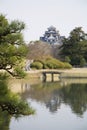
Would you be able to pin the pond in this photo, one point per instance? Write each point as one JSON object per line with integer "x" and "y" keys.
{"x": 59, "y": 105}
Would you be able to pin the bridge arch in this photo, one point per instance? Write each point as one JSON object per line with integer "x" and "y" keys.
{"x": 52, "y": 73}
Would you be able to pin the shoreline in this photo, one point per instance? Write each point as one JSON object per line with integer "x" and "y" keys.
{"x": 34, "y": 77}
{"x": 65, "y": 73}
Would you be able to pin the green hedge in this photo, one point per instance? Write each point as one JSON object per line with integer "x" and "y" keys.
{"x": 67, "y": 65}
{"x": 37, "y": 65}
{"x": 50, "y": 63}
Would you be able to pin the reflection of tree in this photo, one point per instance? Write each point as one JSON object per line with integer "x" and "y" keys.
{"x": 45, "y": 93}
{"x": 54, "y": 103}
{"x": 52, "y": 94}
{"x": 76, "y": 96}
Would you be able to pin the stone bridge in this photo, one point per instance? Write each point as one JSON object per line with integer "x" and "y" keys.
{"x": 52, "y": 73}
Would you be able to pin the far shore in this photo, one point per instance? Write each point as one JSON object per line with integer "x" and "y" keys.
{"x": 67, "y": 73}
{"x": 68, "y": 76}
{"x": 73, "y": 70}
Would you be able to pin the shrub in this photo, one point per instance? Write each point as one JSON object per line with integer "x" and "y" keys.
{"x": 67, "y": 59}
{"x": 45, "y": 66}
{"x": 82, "y": 62}
{"x": 67, "y": 65}
{"x": 37, "y": 65}
{"x": 50, "y": 63}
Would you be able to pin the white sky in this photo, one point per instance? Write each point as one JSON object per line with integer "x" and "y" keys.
{"x": 38, "y": 15}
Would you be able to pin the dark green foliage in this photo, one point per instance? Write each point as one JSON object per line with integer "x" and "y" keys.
{"x": 75, "y": 46}
{"x": 67, "y": 59}
{"x": 12, "y": 46}
{"x": 82, "y": 62}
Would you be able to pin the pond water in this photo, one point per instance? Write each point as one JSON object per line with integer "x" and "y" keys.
{"x": 59, "y": 106}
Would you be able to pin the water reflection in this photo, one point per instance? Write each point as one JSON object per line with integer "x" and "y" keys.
{"x": 52, "y": 95}
{"x": 59, "y": 105}
{"x": 75, "y": 96}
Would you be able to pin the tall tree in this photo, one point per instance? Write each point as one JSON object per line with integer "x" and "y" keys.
{"x": 12, "y": 46}
{"x": 75, "y": 46}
